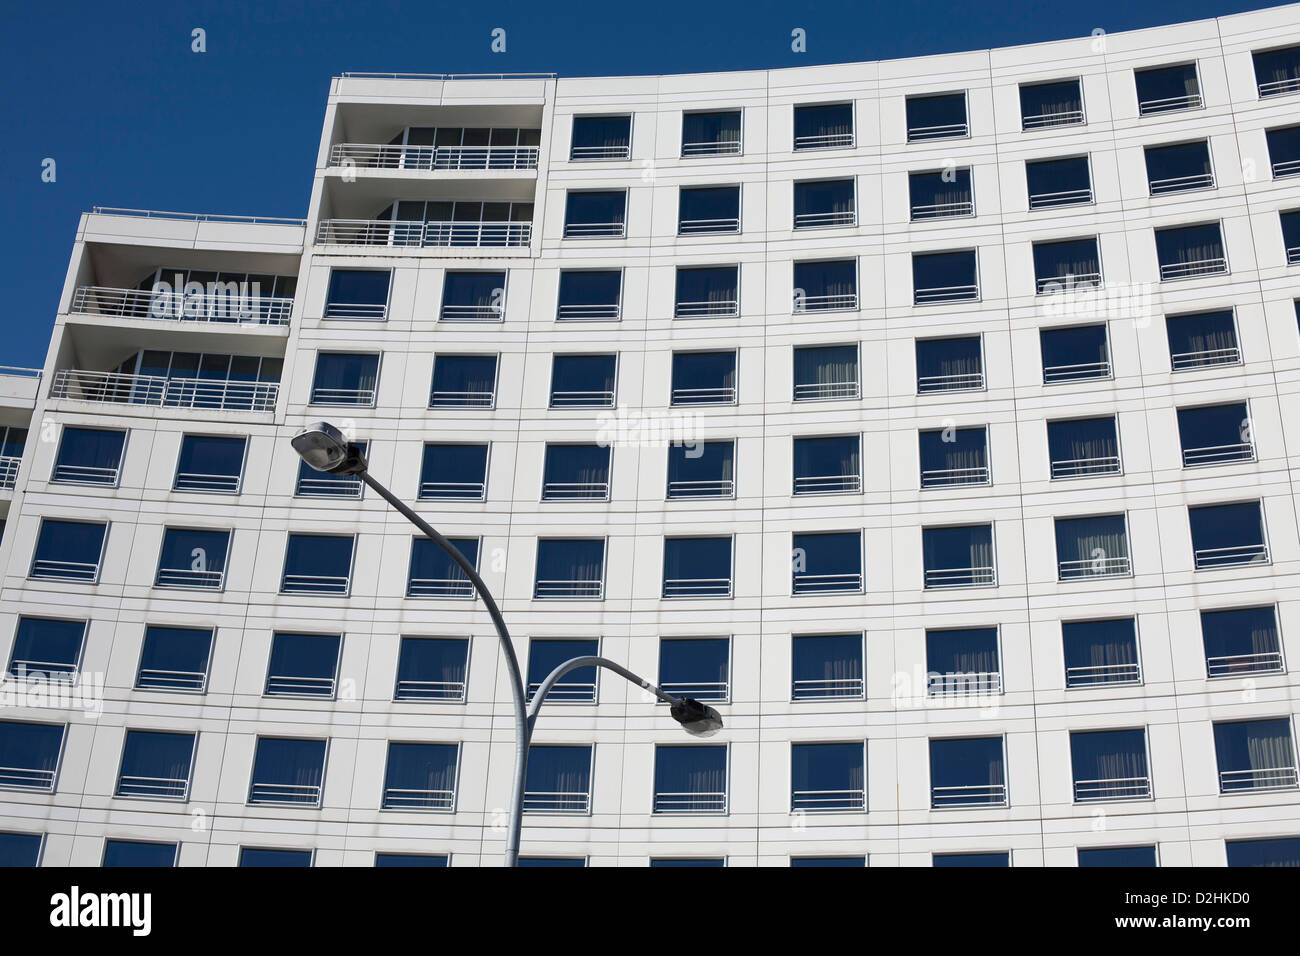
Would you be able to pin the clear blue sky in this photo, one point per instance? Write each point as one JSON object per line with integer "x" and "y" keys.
{"x": 113, "y": 93}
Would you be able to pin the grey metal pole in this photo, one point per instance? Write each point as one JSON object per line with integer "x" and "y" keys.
{"x": 523, "y": 725}
{"x": 553, "y": 677}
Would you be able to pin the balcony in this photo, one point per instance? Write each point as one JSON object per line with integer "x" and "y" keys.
{"x": 949, "y": 383}
{"x": 154, "y": 390}
{"x": 1116, "y": 788}
{"x": 1076, "y": 372}
{"x": 849, "y": 581}
{"x": 826, "y": 303}
{"x": 453, "y": 490}
{"x": 1272, "y": 778}
{"x": 9, "y": 471}
{"x": 825, "y": 391}
{"x": 1177, "y": 184}
{"x": 152, "y": 678}
{"x": 432, "y": 158}
{"x": 441, "y": 691}
{"x": 722, "y": 395}
{"x": 575, "y": 490}
{"x": 335, "y": 486}
{"x": 822, "y": 220}
{"x": 1205, "y": 358}
{"x": 431, "y": 234}
{"x": 969, "y": 795}
{"x": 1061, "y": 197}
{"x": 964, "y": 685}
{"x": 952, "y": 293}
{"x": 1168, "y": 104}
{"x": 221, "y": 307}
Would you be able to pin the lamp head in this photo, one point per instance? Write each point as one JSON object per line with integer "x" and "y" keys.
{"x": 323, "y": 447}
{"x": 698, "y": 720}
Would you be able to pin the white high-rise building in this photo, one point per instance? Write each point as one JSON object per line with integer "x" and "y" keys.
{"x": 933, "y": 418}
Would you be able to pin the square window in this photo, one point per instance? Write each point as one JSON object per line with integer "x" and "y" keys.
{"x": 432, "y": 669}
{"x": 828, "y": 777}
{"x": 473, "y": 296}
{"x": 827, "y": 667}
{"x": 711, "y": 133}
{"x": 558, "y": 780}
{"x": 1241, "y": 641}
{"x": 707, "y": 292}
{"x": 697, "y": 567}
{"x": 317, "y": 564}
{"x": 89, "y": 456}
{"x": 435, "y": 573}
{"x": 823, "y": 126}
{"x": 175, "y": 658}
{"x": 1255, "y": 755}
{"x": 1092, "y": 547}
{"x": 1166, "y": 89}
{"x": 583, "y": 381}
{"x": 698, "y": 667}
{"x": 303, "y": 665}
{"x": 940, "y": 116}
{"x": 288, "y": 770}
{"x": 826, "y": 563}
{"x": 357, "y": 294}
{"x": 576, "y": 686}
{"x": 421, "y": 776}
{"x": 345, "y": 379}
{"x": 690, "y": 778}
{"x": 138, "y": 853}
{"x": 601, "y": 137}
{"x": 570, "y": 568}
{"x": 1055, "y": 103}
{"x": 193, "y": 558}
{"x": 959, "y": 557}
{"x": 69, "y": 550}
{"x": 210, "y": 463}
{"x": 463, "y": 381}
{"x": 967, "y": 772}
{"x": 156, "y": 764}
{"x": 453, "y": 472}
{"x": 590, "y": 294}
{"x": 1101, "y": 652}
{"x": 949, "y": 365}
{"x": 704, "y": 378}
{"x": 702, "y": 470}
{"x": 1110, "y": 765}
{"x": 47, "y": 648}
{"x": 29, "y": 755}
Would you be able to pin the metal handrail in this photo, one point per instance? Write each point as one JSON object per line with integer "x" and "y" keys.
{"x": 440, "y": 690}
{"x": 298, "y": 793}
{"x": 1047, "y": 285}
{"x": 822, "y": 391}
{"x": 974, "y": 683}
{"x": 826, "y": 484}
{"x": 595, "y": 230}
{"x": 942, "y": 131}
{"x": 453, "y": 490}
{"x": 1203, "y": 359}
{"x": 709, "y": 691}
{"x": 1064, "y": 197}
{"x": 1093, "y": 674}
{"x": 573, "y": 588}
{"x": 189, "y": 578}
{"x": 370, "y": 311}
{"x": 454, "y": 587}
{"x": 847, "y": 581}
{"x": 397, "y": 798}
{"x": 556, "y": 801}
{"x": 1292, "y": 255}
{"x": 1094, "y": 568}
{"x": 959, "y": 577}
{"x": 697, "y": 587}
{"x": 1229, "y": 665}
{"x": 192, "y": 216}
{"x": 471, "y": 313}
{"x": 969, "y": 795}
{"x": 1072, "y": 373}
{"x": 683, "y": 310}
{"x": 9, "y": 471}
{"x": 691, "y": 802}
{"x": 18, "y": 371}
{"x": 445, "y": 399}
{"x": 826, "y": 303}
{"x": 950, "y": 293}
{"x": 572, "y": 312}
{"x": 575, "y": 490}
{"x": 721, "y": 395}
{"x": 216, "y": 306}
{"x": 824, "y": 141}
{"x": 949, "y": 383}
{"x": 129, "y": 785}
{"x": 1229, "y": 556}
{"x": 121, "y": 388}
{"x": 852, "y": 799}
{"x": 337, "y": 486}
{"x": 601, "y": 398}
{"x": 570, "y": 690}
{"x": 1188, "y": 270}
{"x": 1113, "y": 788}
{"x": 314, "y": 584}
{"x": 1264, "y": 778}
{"x": 704, "y": 488}
{"x": 686, "y": 227}
{"x": 195, "y": 481}
{"x": 449, "y": 76}
{"x": 711, "y": 147}
{"x": 946, "y": 477}
{"x": 432, "y": 158}
{"x": 433, "y": 233}
{"x": 1279, "y": 87}
{"x": 65, "y": 570}
{"x": 342, "y": 396}
{"x": 821, "y": 220}
{"x": 21, "y": 669}
{"x": 826, "y": 689}
{"x": 1175, "y": 184}
{"x": 1082, "y": 467}
{"x": 1218, "y": 454}
{"x": 1286, "y": 167}
{"x": 288, "y": 685}
{"x": 26, "y": 778}
{"x": 152, "y": 677}
{"x": 1167, "y": 104}
{"x": 944, "y": 210}
{"x": 1044, "y": 120}
{"x": 585, "y": 153}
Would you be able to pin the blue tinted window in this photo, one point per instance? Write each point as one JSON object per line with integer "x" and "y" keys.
{"x": 707, "y": 861}
{"x": 962, "y": 651}
{"x": 1083, "y": 446}
{"x": 938, "y": 194}
{"x": 20, "y": 849}
{"x": 574, "y": 861}
{"x": 823, "y": 125}
{"x": 434, "y": 573}
{"x": 826, "y": 562}
{"x": 357, "y": 294}
{"x": 1255, "y": 755}
{"x": 1284, "y": 150}
{"x": 453, "y": 471}
{"x": 967, "y": 771}
{"x": 690, "y": 779}
{"x": 1100, "y": 652}
{"x": 710, "y": 132}
{"x": 1110, "y": 764}
{"x": 68, "y": 550}
{"x": 827, "y": 285}
{"x": 828, "y": 861}
{"x": 601, "y": 137}
{"x": 583, "y": 380}
{"x": 253, "y": 856}
{"x": 287, "y": 770}
{"x": 155, "y": 764}
{"x": 344, "y": 379}
{"x": 473, "y": 295}
{"x": 91, "y": 456}
{"x": 1057, "y": 103}
{"x": 46, "y": 647}
{"x": 29, "y": 754}
{"x": 934, "y": 117}
{"x": 971, "y": 859}
{"x": 546, "y": 655}
{"x": 1058, "y": 182}
{"x": 175, "y": 658}
{"x": 1276, "y": 851}
{"x": 701, "y": 469}
{"x": 1203, "y": 338}
{"x": 958, "y": 557}
{"x": 590, "y": 294}
{"x": 708, "y": 209}
{"x": 1087, "y": 546}
{"x": 559, "y": 780}
{"x": 1118, "y": 856}
{"x": 954, "y": 456}
{"x": 303, "y": 665}
{"x": 827, "y": 465}
{"x": 1190, "y": 250}
{"x": 698, "y": 667}
{"x": 1224, "y": 535}
{"x": 595, "y": 214}
{"x": 827, "y": 777}
{"x": 192, "y": 559}
{"x": 463, "y": 381}
{"x": 137, "y": 853}
{"x": 409, "y": 859}
{"x": 209, "y": 463}
{"x": 707, "y": 290}
{"x": 1241, "y": 641}
{"x": 576, "y": 471}
{"x": 944, "y": 277}
{"x": 1178, "y": 167}
{"x": 697, "y": 567}
{"x": 432, "y": 668}
{"x": 420, "y": 776}
{"x": 317, "y": 564}
{"x": 825, "y": 202}
{"x": 570, "y": 567}
{"x": 704, "y": 378}
{"x": 827, "y": 666}
{"x": 1059, "y": 264}
{"x": 1167, "y": 88}
{"x": 322, "y": 484}
{"x": 949, "y": 364}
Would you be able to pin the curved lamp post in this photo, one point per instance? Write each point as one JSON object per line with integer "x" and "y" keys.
{"x": 325, "y": 448}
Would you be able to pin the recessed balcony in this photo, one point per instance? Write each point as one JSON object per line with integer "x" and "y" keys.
{"x": 432, "y": 234}
{"x": 161, "y": 392}
{"x": 234, "y": 306}
{"x": 432, "y": 158}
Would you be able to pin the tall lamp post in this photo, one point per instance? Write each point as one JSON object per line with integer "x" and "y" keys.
{"x": 325, "y": 448}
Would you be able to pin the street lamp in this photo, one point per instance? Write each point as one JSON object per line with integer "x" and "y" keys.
{"x": 326, "y": 448}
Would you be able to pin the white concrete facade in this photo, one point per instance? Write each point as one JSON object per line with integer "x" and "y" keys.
{"x": 1187, "y": 817}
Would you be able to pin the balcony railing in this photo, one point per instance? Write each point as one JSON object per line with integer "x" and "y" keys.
{"x": 9, "y": 471}
{"x": 973, "y": 684}
{"x": 302, "y": 794}
{"x": 1168, "y": 104}
{"x": 85, "y": 474}
{"x": 451, "y": 312}
{"x": 1095, "y": 568}
{"x": 917, "y": 133}
{"x": 289, "y": 685}
{"x": 341, "y": 486}
{"x": 714, "y": 147}
{"x": 1279, "y": 87}
{"x": 1084, "y": 467}
{"x": 825, "y": 303}
{"x": 1057, "y": 118}
{"x": 1182, "y": 361}
{"x": 692, "y": 802}
{"x": 1048, "y": 285}
{"x": 1095, "y": 674}
{"x": 431, "y": 158}
{"x": 173, "y": 788}
{"x": 710, "y": 691}
{"x": 1114, "y": 788}
{"x": 396, "y": 798}
{"x": 360, "y": 311}
{"x": 1285, "y": 167}
{"x": 189, "y": 578}
{"x": 46, "y": 670}
{"x": 1230, "y": 556}
{"x": 459, "y": 587}
{"x": 24, "y": 778}
{"x": 577, "y": 398}
{"x": 948, "y": 477}
{"x": 950, "y": 293}
{"x": 197, "y": 481}
{"x": 943, "y": 210}
{"x": 1064, "y": 197}
{"x": 555, "y": 588}
{"x": 453, "y": 490}
{"x": 443, "y": 691}
{"x": 1177, "y": 184}
{"x": 1188, "y": 270}
{"x": 223, "y": 307}
{"x": 446, "y": 399}
{"x": 342, "y": 396}
{"x": 539, "y": 801}
{"x": 573, "y": 312}
{"x": 369, "y": 232}
{"x": 696, "y": 587}
{"x": 1235, "y": 665}
{"x": 1218, "y": 454}
{"x": 828, "y": 689}
{"x": 949, "y": 383}
{"x": 687, "y": 227}
{"x": 575, "y": 490}
{"x": 959, "y": 577}
{"x": 119, "y": 388}
{"x": 153, "y": 678}
{"x": 827, "y": 800}
{"x": 822, "y": 220}
{"x": 1292, "y": 255}
{"x": 1074, "y": 373}
{"x": 824, "y": 141}
{"x": 314, "y": 584}
{"x": 585, "y": 153}
{"x": 848, "y": 581}
{"x": 969, "y": 795}
{"x": 1272, "y": 778}
{"x": 827, "y": 484}
{"x": 722, "y": 395}
{"x": 824, "y": 391}
{"x": 572, "y": 691}
{"x": 595, "y": 230}
{"x": 708, "y": 488}
{"x": 714, "y": 307}
{"x": 83, "y": 571}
